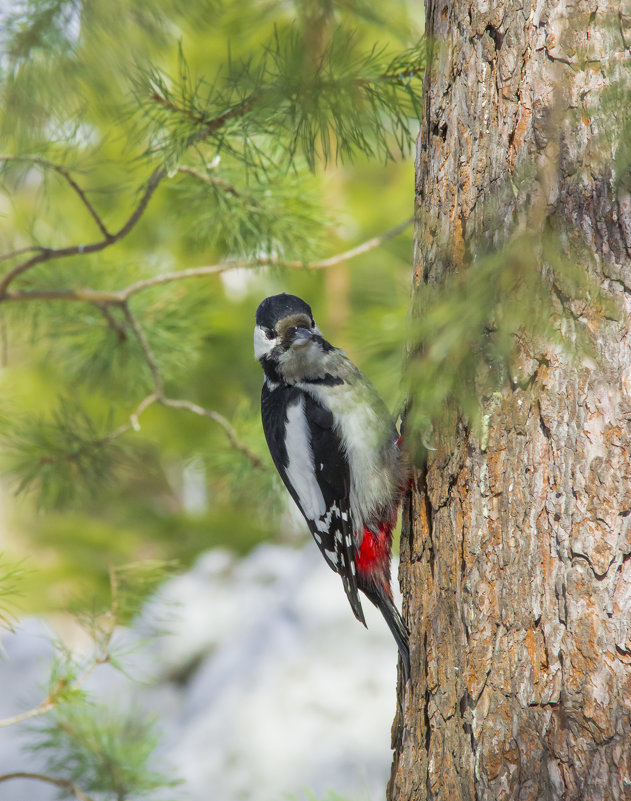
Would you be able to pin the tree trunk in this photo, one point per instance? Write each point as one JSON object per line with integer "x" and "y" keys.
{"x": 515, "y": 562}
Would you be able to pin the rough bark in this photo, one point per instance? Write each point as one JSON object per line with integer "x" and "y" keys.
{"x": 516, "y": 542}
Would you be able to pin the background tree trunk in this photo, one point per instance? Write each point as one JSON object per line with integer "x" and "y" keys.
{"x": 515, "y": 550}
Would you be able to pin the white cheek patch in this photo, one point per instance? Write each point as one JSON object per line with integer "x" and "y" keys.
{"x": 262, "y": 345}
{"x": 300, "y": 466}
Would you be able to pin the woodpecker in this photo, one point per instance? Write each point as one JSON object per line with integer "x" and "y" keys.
{"x": 336, "y": 450}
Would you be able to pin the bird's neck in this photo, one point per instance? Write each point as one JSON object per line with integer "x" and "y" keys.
{"x": 270, "y": 368}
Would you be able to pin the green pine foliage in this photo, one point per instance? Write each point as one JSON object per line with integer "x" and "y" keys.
{"x": 105, "y": 752}
{"x": 11, "y": 587}
{"x": 142, "y": 139}
{"x": 490, "y": 325}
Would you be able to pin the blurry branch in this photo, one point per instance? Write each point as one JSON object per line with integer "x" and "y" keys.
{"x": 11, "y": 576}
{"x": 48, "y": 254}
{"x": 11, "y": 254}
{"x": 218, "y": 418}
{"x": 66, "y": 684}
{"x": 63, "y": 784}
{"x": 262, "y": 261}
{"x": 65, "y": 174}
{"x": 208, "y": 179}
{"x": 158, "y": 396}
{"x": 41, "y": 709}
{"x": 135, "y": 326}
{"x": 104, "y": 299}
{"x": 119, "y": 297}
{"x": 45, "y": 254}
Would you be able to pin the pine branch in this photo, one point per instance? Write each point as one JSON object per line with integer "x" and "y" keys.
{"x": 65, "y": 174}
{"x": 48, "y": 254}
{"x": 348, "y": 101}
{"x": 159, "y": 396}
{"x": 221, "y": 420}
{"x": 21, "y": 251}
{"x": 135, "y": 326}
{"x": 45, "y": 254}
{"x": 121, "y": 296}
{"x": 63, "y": 784}
{"x": 208, "y": 179}
{"x": 66, "y": 686}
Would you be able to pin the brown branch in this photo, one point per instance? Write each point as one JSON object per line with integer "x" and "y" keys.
{"x": 221, "y": 420}
{"x": 135, "y": 326}
{"x": 21, "y": 251}
{"x": 63, "y": 784}
{"x": 215, "y": 269}
{"x": 65, "y": 685}
{"x": 208, "y": 127}
{"x": 65, "y": 174}
{"x": 51, "y": 253}
{"x": 208, "y": 179}
{"x": 47, "y": 254}
{"x": 122, "y": 295}
{"x": 212, "y": 126}
{"x": 160, "y": 397}
{"x": 112, "y": 322}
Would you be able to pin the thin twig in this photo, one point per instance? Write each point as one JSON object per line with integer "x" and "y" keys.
{"x": 369, "y": 244}
{"x": 113, "y": 323}
{"x": 135, "y": 326}
{"x": 21, "y": 251}
{"x": 65, "y": 174}
{"x": 218, "y": 418}
{"x": 63, "y": 784}
{"x": 159, "y": 396}
{"x": 120, "y": 296}
{"x": 47, "y": 254}
{"x": 262, "y": 261}
{"x": 65, "y": 685}
{"x": 214, "y": 269}
{"x": 132, "y": 423}
{"x": 45, "y": 706}
{"x": 209, "y": 179}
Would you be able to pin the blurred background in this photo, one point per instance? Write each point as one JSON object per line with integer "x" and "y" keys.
{"x": 96, "y": 97}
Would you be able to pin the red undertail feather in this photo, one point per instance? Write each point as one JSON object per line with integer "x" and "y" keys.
{"x": 374, "y": 551}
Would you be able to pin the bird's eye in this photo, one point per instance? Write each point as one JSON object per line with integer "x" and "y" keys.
{"x": 313, "y": 324}
{"x": 269, "y": 333}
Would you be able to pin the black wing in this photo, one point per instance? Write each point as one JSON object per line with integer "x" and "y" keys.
{"x": 316, "y": 473}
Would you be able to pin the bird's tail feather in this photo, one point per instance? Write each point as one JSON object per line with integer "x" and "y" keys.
{"x": 399, "y": 630}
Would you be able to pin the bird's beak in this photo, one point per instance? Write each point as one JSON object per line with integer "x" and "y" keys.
{"x": 300, "y": 337}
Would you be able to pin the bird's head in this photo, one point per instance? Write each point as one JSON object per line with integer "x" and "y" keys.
{"x": 287, "y": 341}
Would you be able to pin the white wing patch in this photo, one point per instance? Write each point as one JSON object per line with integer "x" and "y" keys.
{"x": 300, "y": 465}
